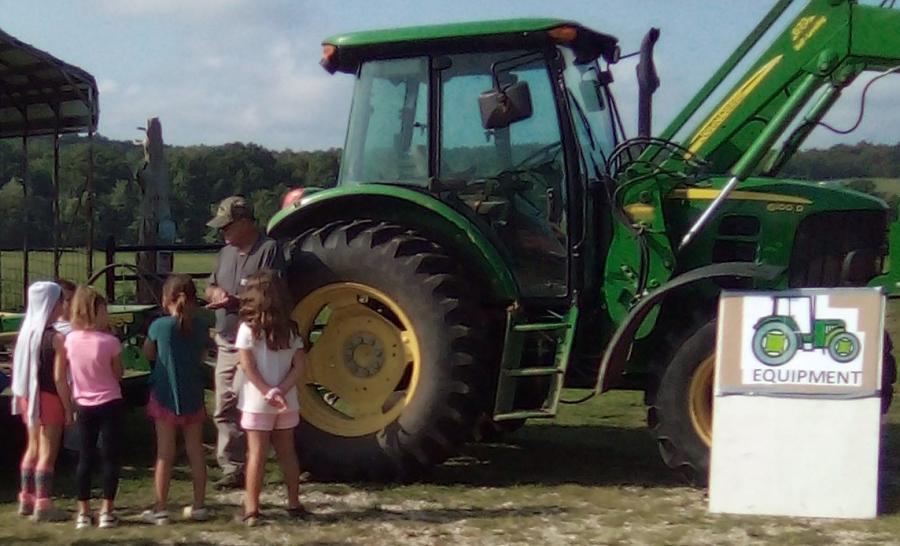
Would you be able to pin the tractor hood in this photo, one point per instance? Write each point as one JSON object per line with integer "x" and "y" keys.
{"x": 779, "y": 221}
{"x": 810, "y": 196}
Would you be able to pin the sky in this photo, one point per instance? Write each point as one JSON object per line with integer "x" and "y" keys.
{"x": 217, "y": 71}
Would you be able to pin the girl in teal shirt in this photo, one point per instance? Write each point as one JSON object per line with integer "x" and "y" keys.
{"x": 178, "y": 344}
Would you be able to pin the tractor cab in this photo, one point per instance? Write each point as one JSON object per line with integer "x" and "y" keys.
{"x": 504, "y": 121}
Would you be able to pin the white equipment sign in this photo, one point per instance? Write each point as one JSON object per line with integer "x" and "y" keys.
{"x": 796, "y": 405}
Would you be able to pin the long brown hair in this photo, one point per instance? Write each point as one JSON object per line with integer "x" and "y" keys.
{"x": 266, "y": 309}
{"x": 86, "y": 305}
{"x": 179, "y": 291}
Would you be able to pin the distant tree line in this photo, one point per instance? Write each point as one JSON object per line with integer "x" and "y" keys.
{"x": 200, "y": 176}
{"x": 869, "y": 168}
{"x": 203, "y": 175}
{"x": 844, "y": 162}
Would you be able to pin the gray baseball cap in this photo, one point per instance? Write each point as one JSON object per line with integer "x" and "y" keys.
{"x": 231, "y": 209}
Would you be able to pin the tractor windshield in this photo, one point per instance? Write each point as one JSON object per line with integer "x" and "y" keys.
{"x": 387, "y": 139}
{"x": 471, "y": 152}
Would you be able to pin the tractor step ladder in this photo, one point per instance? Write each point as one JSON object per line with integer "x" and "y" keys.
{"x": 513, "y": 372}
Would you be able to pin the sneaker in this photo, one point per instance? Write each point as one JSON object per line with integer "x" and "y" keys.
{"x": 49, "y": 513}
{"x": 108, "y": 520}
{"x": 155, "y": 518}
{"x": 26, "y": 504}
{"x": 196, "y": 514}
{"x": 83, "y": 521}
{"x": 234, "y": 480}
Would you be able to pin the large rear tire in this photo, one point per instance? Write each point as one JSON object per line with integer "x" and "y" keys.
{"x": 395, "y": 376}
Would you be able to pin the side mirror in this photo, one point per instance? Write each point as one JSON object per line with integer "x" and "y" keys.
{"x": 501, "y": 107}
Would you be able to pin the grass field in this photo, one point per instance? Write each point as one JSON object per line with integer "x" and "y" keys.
{"x": 592, "y": 476}
{"x": 889, "y": 186}
{"x": 73, "y": 265}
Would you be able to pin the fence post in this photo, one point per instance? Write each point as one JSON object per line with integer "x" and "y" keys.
{"x": 111, "y": 272}
{"x": 27, "y": 218}
{"x": 90, "y": 205}
{"x": 57, "y": 254}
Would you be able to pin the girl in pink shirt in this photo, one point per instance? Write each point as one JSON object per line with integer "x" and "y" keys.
{"x": 96, "y": 368}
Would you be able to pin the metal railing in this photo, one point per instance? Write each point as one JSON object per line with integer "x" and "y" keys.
{"x": 114, "y": 276}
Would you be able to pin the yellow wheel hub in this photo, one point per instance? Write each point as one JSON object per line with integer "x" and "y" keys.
{"x": 363, "y": 364}
{"x": 700, "y": 395}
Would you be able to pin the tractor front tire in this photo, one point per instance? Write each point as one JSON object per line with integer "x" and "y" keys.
{"x": 680, "y": 416}
{"x": 386, "y": 311}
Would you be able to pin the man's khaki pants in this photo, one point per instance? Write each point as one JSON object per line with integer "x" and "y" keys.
{"x": 230, "y": 447}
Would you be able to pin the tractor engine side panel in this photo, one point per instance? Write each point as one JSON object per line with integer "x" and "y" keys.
{"x": 825, "y": 235}
{"x": 822, "y": 235}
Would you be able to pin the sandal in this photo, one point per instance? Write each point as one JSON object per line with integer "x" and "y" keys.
{"x": 250, "y": 520}
{"x": 298, "y": 512}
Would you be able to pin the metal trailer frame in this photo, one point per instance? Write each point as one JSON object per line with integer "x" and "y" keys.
{"x": 40, "y": 95}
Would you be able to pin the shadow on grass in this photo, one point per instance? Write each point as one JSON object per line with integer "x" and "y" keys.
{"x": 131, "y": 542}
{"x": 548, "y": 454}
{"x": 559, "y": 454}
{"x": 15, "y": 539}
{"x": 539, "y": 454}
{"x": 138, "y": 453}
{"x": 423, "y": 515}
{"x": 889, "y": 471}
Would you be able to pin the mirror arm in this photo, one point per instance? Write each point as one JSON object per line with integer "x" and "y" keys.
{"x": 509, "y": 64}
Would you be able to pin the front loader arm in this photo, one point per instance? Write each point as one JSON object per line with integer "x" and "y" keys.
{"x": 827, "y": 45}
{"x": 830, "y": 42}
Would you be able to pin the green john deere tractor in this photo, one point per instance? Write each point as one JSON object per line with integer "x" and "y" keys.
{"x": 494, "y": 235}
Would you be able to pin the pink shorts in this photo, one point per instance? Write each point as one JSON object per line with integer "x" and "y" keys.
{"x": 270, "y": 421}
{"x": 158, "y": 412}
{"x": 51, "y": 411}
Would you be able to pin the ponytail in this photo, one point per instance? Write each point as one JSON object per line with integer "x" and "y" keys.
{"x": 179, "y": 292}
{"x": 183, "y": 314}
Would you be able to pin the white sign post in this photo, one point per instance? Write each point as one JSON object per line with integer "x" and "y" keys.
{"x": 796, "y": 406}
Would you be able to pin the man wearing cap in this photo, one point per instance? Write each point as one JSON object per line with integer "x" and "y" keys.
{"x": 246, "y": 252}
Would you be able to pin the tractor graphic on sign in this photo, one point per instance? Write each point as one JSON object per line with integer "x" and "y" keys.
{"x": 778, "y": 337}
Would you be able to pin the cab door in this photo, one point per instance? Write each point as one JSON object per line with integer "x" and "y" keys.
{"x": 514, "y": 177}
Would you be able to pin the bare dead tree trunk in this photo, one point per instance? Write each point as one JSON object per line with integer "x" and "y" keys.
{"x": 155, "y": 213}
